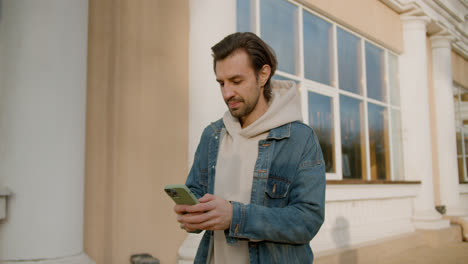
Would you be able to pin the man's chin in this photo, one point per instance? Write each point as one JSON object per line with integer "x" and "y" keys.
{"x": 235, "y": 113}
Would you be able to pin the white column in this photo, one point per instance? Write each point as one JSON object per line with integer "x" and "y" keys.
{"x": 445, "y": 124}
{"x": 210, "y": 22}
{"x": 416, "y": 123}
{"x": 42, "y": 129}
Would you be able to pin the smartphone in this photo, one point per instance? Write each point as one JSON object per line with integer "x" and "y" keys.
{"x": 181, "y": 194}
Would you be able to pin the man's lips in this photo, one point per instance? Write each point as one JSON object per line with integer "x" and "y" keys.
{"x": 234, "y": 104}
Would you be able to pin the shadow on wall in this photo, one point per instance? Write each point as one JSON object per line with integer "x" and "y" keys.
{"x": 342, "y": 238}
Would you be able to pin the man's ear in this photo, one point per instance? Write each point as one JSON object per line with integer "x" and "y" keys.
{"x": 264, "y": 74}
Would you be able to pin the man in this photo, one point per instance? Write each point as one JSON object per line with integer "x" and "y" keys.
{"x": 258, "y": 172}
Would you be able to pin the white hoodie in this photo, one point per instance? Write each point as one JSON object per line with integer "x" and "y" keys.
{"x": 238, "y": 153}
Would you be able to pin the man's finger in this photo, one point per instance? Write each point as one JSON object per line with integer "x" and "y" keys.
{"x": 180, "y": 208}
{"x": 206, "y": 198}
{"x": 200, "y": 208}
{"x": 196, "y": 218}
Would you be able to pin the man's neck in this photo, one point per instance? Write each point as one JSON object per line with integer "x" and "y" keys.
{"x": 260, "y": 109}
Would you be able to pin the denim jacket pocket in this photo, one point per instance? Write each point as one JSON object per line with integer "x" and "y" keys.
{"x": 277, "y": 191}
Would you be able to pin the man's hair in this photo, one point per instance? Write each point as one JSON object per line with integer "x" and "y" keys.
{"x": 258, "y": 51}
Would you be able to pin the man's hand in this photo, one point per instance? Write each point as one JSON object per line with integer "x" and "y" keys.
{"x": 212, "y": 213}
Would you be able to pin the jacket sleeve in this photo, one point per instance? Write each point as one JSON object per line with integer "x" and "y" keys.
{"x": 193, "y": 180}
{"x": 300, "y": 220}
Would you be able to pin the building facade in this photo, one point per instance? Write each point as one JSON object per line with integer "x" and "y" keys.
{"x": 102, "y": 103}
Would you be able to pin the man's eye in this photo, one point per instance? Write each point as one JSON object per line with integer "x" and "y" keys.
{"x": 221, "y": 84}
{"x": 237, "y": 82}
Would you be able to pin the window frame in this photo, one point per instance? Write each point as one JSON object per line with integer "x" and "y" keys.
{"x": 464, "y": 155}
{"x": 333, "y": 91}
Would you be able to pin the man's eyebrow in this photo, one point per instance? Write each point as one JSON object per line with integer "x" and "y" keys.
{"x": 231, "y": 78}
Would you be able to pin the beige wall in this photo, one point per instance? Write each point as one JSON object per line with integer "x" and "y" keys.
{"x": 137, "y": 127}
{"x": 371, "y": 18}
{"x": 460, "y": 70}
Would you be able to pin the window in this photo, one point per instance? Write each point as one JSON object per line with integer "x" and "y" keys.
{"x": 349, "y": 87}
{"x": 279, "y": 30}
{"x": 352, "y": 137}
{"x": 322, "y": 108}
{"x": 349, "y": 62}
{"x": 244, "y": 16}
{"x": 318, "y": 52}
{"x": 461, "y": 119}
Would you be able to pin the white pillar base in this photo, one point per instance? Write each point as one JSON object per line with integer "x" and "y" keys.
{"x": 429, "y": 220}
{"x": 188, "y": 249}
{"x": 76, "y": 259}
{"x": 456, "y": 211}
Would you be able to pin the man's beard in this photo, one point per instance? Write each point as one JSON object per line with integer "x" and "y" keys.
{"x": 247, "y": 107}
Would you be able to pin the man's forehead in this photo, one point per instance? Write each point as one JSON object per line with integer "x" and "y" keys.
{"x": 237, "y": 63}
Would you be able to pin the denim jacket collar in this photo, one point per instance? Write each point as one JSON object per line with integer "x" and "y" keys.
{"x": 281, "y": 132}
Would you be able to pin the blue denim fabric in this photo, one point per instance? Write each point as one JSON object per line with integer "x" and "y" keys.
{"x": 288, "y": 194}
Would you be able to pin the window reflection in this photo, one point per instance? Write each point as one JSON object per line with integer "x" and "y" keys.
{"x": 352, "y": 138}
{"x": 243, "y": 16}
{"x": 378, "y": 143}
{"x": 461, "y": 116}
{"x": 317, "y": 49}
{"x": 321, "y": 120}
{"x": 461, "y": 176}
{"x": 349, "y": 62}
{"x": 375, "y": 73}
{"x": 465, "y": 139}
{"x": 278, "y": 29}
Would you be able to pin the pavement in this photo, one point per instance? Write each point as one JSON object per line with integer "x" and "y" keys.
{"x": 421, "y": 247}
{"x": 452, "y": 253}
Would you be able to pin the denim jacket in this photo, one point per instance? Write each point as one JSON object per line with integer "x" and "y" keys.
{"x": 287, "y": 202}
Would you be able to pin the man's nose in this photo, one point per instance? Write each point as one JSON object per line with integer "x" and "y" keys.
{"x": 228, "y": 92}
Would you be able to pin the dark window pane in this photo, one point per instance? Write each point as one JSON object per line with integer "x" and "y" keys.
{"x": 321, "y": 120}
{"x": 375, "y": 73}
{"x": 317, "y": 49}
{"x": 243, "y": 16}
{"x": 349, "y": 62}
{"x": 465, "y": 139}
{"x": 352, "y": 138}
{"x": 278, "y": 29}
{"x": 378, "y": 142}
{"x": 461, "y": 174}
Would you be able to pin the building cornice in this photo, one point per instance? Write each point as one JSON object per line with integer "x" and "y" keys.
{"x": 398, "y": 6}
{"x": 453, "y": 9}
{"x": 447, "y": 17}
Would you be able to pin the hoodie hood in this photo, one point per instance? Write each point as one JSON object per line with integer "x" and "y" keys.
{"x": 285, "y": 107}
